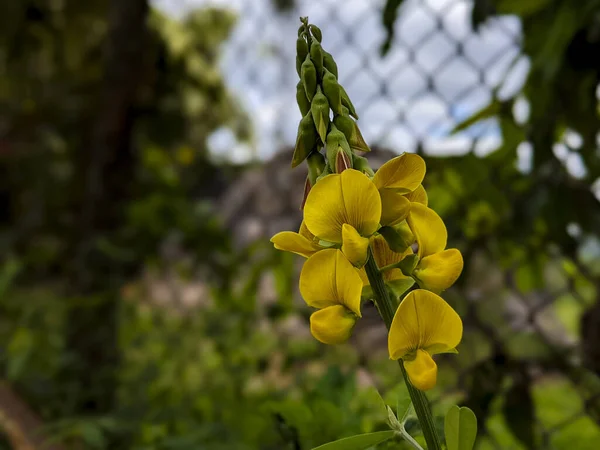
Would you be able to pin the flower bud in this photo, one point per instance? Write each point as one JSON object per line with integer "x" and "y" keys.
{"x": 362, "y": 164}
{"x": 305, "y": 141}
{"x": 339, "y": 155}
{"x": 301, "y": 29}
{"x": 326, "y": 171}
{"x": 329, "y": 63}
{"x": 316, "y": 55}
{"x": 332, "y": 91}
{"x": 308, "y": 75}
{"x": 350, "y": 129}
{"x": 319, "y": 109}
{"x": 348, "y": 103}
{"x": 316, "y": 166}
{"x": 301, "y": 99}
{"x": 301, "y": 47}
{"x": 316, "y": 32}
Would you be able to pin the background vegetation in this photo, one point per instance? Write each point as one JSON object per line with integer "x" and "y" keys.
{"x": 131, "y": 318}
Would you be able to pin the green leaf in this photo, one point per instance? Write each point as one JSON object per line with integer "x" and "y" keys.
{"x": 403, "y": 404}
{"x": 393, "y": 420}
{"x": 399, "y": 287}
{"x": 460, "y": 428}
{"x": 358, "y": 442}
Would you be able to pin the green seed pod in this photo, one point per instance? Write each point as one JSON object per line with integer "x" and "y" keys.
{"x": 301, "y": 47}
{"x": 316, "y": 32}
{"x": 306, "y": 140}
{"x": 330, "y": 64}
{"x": 316, "y": 165}
{"x": 308, "y": 75}
{"x": 332, "y": 91}
{"x": 348, "y": 103}
{"x": 362, "y": 164}
{"x": 302, "y": 100}
{"x": 339, "y": 155}
{"x": 319, "y": 108}
{"x": 350, "y": 129}
{"x": 316, "y": 54}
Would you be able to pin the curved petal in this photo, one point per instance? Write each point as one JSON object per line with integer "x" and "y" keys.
{"x": 289, "y": 241}
{"x": 428, "y": 228}
{"x": 403, "y": 173}
{"x": 384, "y": 256}
{"x": 332, "y": 325}
{"x": 328, "y": 279}
{"x": 422, "y": 371}
{"x": 394, "y": 207}
{"x": 422, "y": 321}
{"x": 354, "y": 246}
{"x": 439, "y": 271}
{"x": 349, "y": 197}
{"x": 419, "y": 195}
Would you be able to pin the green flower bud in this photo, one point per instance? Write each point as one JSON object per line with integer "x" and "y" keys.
{"x": 308, "y": 75}
{"x": 350, "y": 129}
{"x": 348, "y": 103}
{"x": 319, "y": 108}
{"x": 301, "y": 48}
{"x": 302, "y": 100}
{"x": 339, "y": 155}
{"x": 395, "y": 240}
{"x": 316, "y": 32}
{"x": 326, "y": 171}
{"x": 316, "y": 166}
{"x": 330, "y": 64}
{"x": 316, "y": 54}
{"x": 362, "y": 164}
{"x": 332, "y": 91}
{"x": 301, "y": 29}
{"x": 306, "y": 140}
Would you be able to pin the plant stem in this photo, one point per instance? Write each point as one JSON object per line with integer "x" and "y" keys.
{"x": 386, "y": 309}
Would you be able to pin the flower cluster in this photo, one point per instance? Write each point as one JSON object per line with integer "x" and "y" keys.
{"x": 353, "y": 215}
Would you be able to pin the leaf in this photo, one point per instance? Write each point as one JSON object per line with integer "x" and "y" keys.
{"x": 460, "y": 428}
{"x": 358, "y": 442}
{"x": 393, "y": 420}
{"x": 490, "y": 110}
{"x": 403, "y": 404}
{"x": 399, "y": 287}
{"x": 390, "y": 12}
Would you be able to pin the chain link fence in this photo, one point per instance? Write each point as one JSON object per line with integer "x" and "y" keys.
{"x": 437, "y": 73}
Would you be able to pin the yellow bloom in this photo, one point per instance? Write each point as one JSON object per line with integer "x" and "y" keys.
{"x": 330, "y": 283}
{"x": 344, "y": 209}
{"x": 394, "y": 180}
{"x": 437, "y": 269}
{"x": 302, "y": 243}
{"x": 424, "y": 325}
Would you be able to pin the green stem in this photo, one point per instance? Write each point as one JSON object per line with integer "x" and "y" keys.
{"x": 386, "y": 309}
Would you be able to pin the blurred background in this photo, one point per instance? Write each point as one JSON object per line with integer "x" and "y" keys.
{"x": 144, "y": 164}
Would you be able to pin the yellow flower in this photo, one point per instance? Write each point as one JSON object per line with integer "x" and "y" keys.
{"x": 396, "y": 180}
{"x": 344, "y": 209}
{"x": 302, "y": 243}
{"x": 330, "y": 283}
{"x": 437, "y": 269}
{"x": 424, "y": 325}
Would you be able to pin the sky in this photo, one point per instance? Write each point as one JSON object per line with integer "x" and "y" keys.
{"x": 437, "y": 73}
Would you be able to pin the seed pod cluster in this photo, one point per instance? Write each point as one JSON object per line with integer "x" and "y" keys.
{"x": 328, "y": 133}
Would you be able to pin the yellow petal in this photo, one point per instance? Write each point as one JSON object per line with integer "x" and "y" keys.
{"x": 403, "y": 173}
{"x": 394, "y": 207}
{"x": 422, "y": 370}
{"x": 349, "y": 197}
{"x": 384, "y": 256}
{"x": 328, "y": 279}
{"x": 439, "y": 271}
{"x": 332, "y": 325}
{"x": 423, "y": 321}
{"x": 354, "y": 246}
{"x": 428, "y": 228}
{"x": 289, "y": 241}
{"x": 419, "y": 195}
